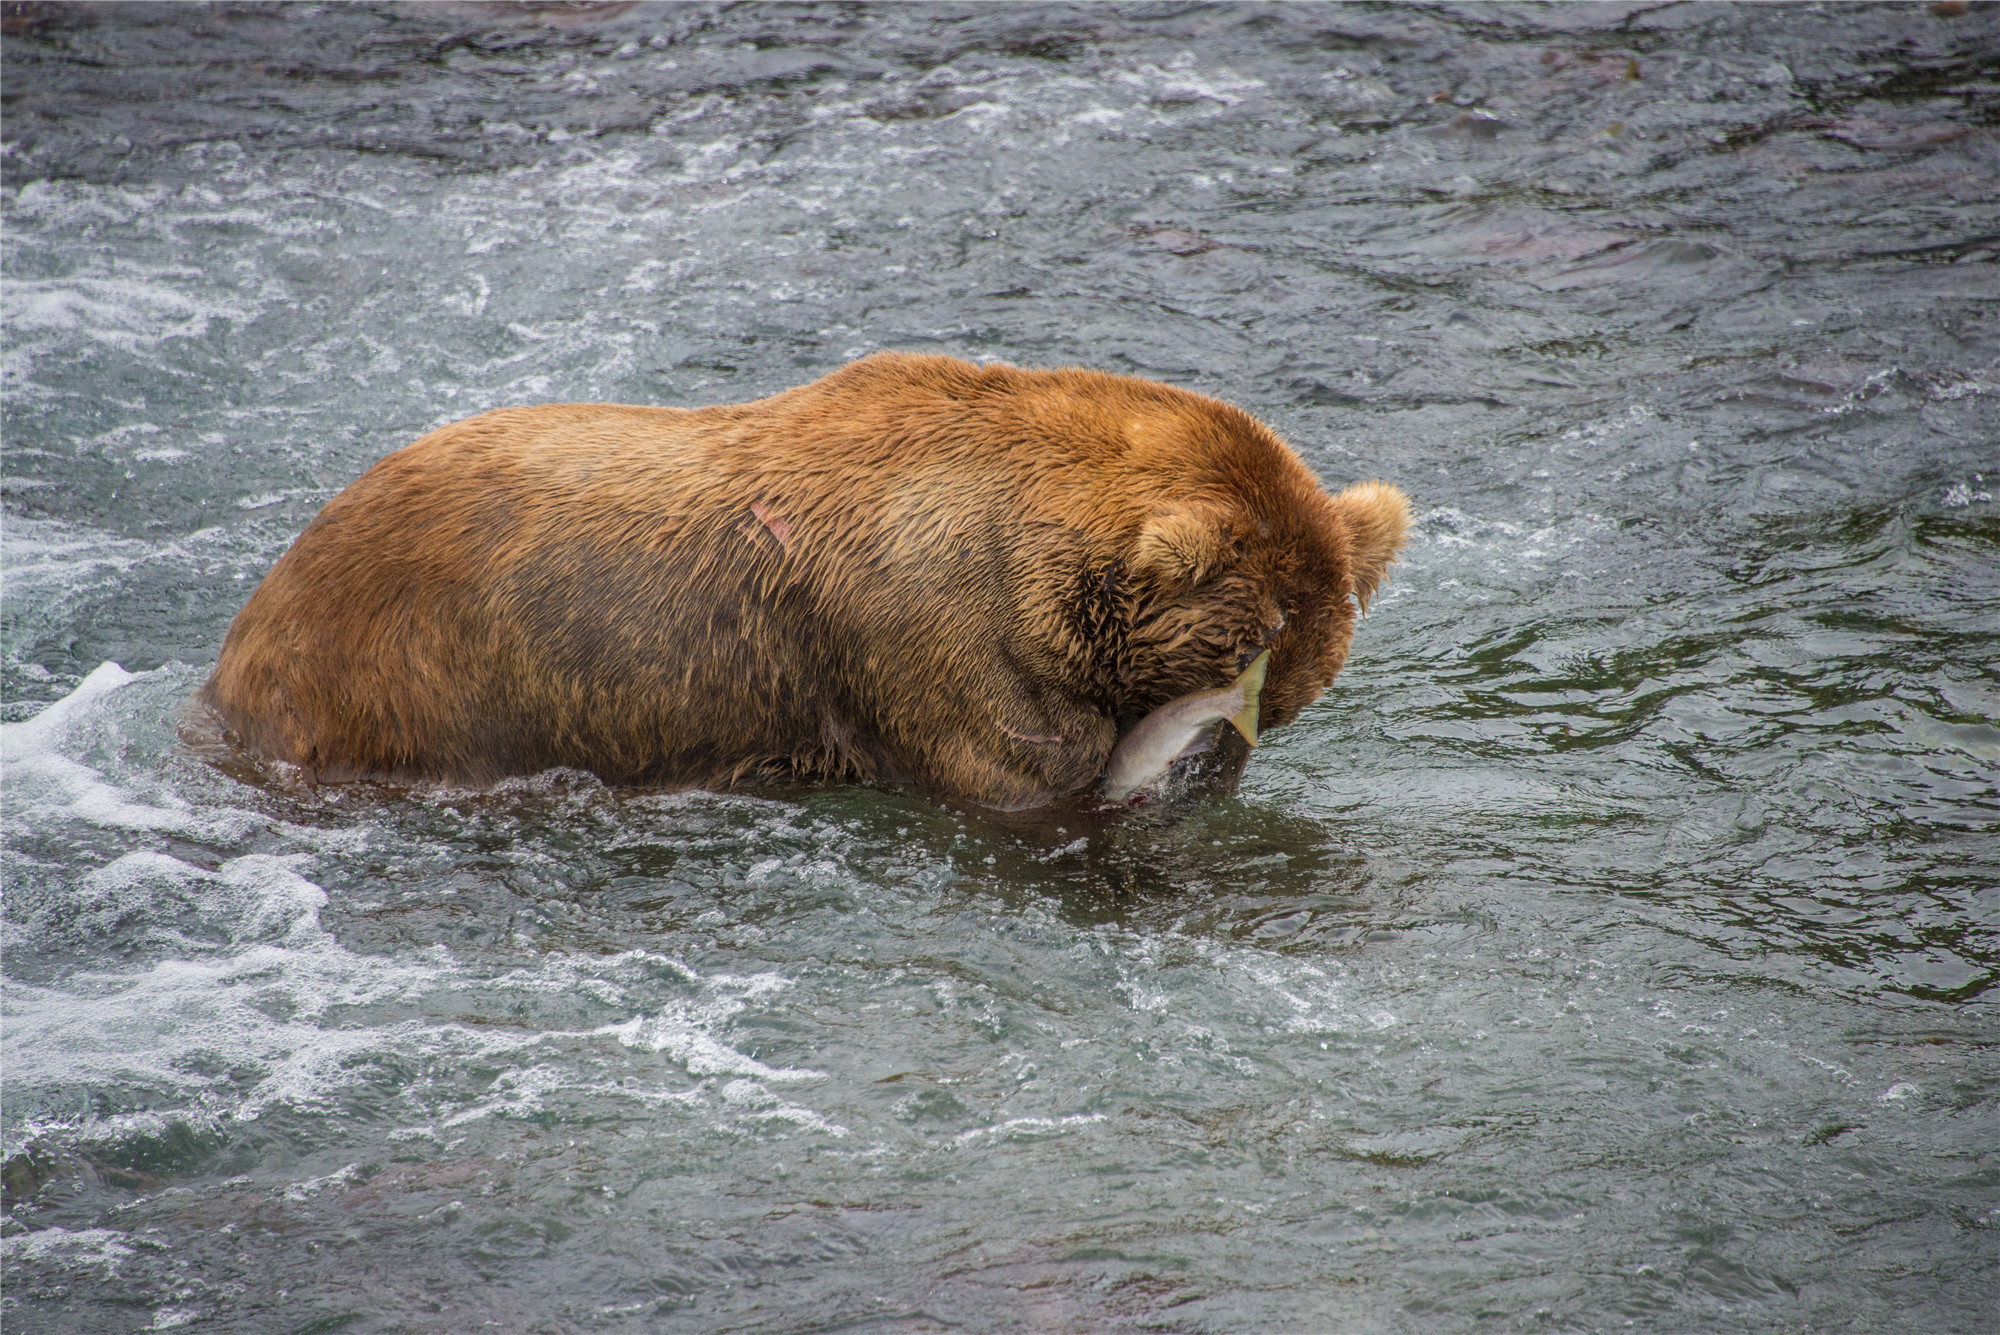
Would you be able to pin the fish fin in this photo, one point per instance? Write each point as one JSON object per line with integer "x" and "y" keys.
{"x": 1252, "y": 685}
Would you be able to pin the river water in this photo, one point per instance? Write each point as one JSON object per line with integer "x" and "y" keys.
{"x": 1613, "y": 947}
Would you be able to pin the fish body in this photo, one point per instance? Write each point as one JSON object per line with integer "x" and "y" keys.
{"x": 1180, "y": 728}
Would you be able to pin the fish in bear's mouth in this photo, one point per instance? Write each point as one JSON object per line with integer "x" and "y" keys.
{"x": 1162, "y": 746}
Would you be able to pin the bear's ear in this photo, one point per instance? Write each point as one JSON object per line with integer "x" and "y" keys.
{"x": 1377, "y": 517}
{"x": 1180, "y": 545}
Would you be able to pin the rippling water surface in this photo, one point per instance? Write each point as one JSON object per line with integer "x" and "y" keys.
{"x": 1613, "y": 947}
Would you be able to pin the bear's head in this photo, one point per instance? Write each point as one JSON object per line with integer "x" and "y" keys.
{"x": 1224, "y": 545}
{"x": 1216, "y": 583}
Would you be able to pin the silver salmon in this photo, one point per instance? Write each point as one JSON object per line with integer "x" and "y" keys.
{"x": 1178, "y": 729}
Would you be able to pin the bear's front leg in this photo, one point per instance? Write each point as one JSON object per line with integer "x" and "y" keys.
{"x": 1017, "y": 759}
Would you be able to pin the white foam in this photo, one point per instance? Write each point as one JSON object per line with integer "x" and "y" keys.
{"x": 52, "y": 571}
{"x": 67, "y": 206}
{"x": 34, "y": 737}
{"x": 145, "y": 1029}
{"x": 684, "y": 1031}
{"x": 684, "y": 1041}
{"x": 132, "y": 313}
{"x": 752, "y": 1102}
{"x": 79, "y": 1249}
{"x": 259, "y": 986}
{"x": 299, "y": 1191}
{"x": 1026, "y": 1128}
{"x": 1284, "y": 994}
{"x": 1179, "y": 81}
{"x": 152, "y": 1029}
{"x": 1960, "y": 389}
{"x": 519, "y": 1093}
{"x": 1447, "y": 526}
{"x": 44, "y": 785}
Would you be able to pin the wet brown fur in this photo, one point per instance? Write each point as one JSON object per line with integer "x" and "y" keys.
{"x": 913, "y": 570}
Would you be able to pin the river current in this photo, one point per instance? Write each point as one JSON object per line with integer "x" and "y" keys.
{"x": 1613, "y": 947}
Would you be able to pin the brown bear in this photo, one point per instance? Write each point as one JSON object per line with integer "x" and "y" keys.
{"x": 915, "y": 570}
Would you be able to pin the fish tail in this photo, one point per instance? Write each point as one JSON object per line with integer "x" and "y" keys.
{"x": 1251, "y": 683}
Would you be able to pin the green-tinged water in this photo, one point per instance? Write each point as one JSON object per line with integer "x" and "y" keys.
{"x": 1612, "y": 947}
